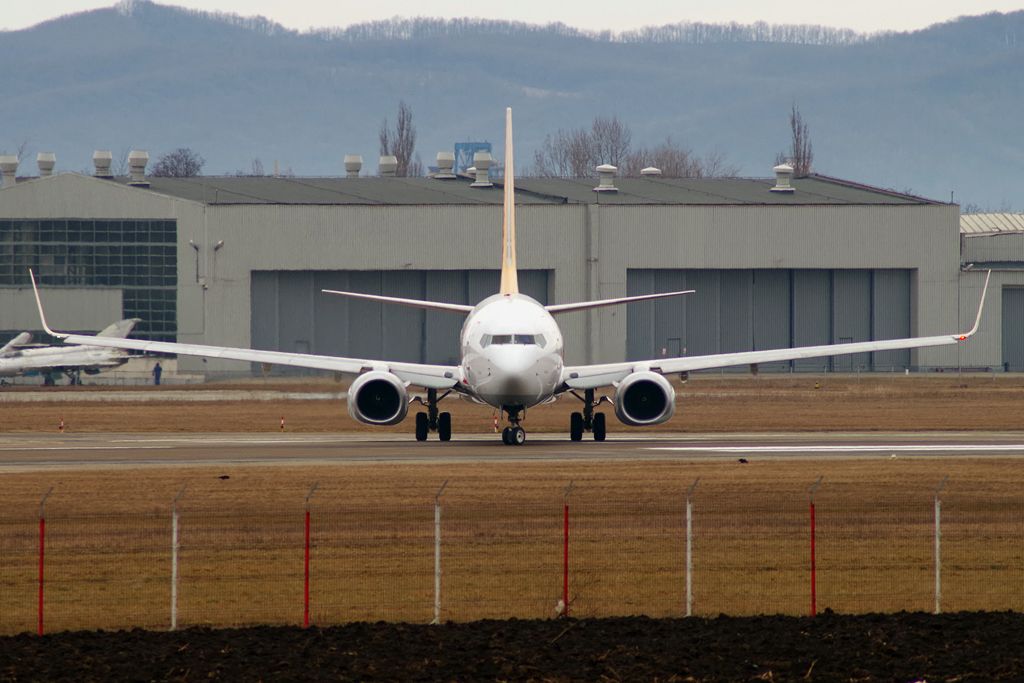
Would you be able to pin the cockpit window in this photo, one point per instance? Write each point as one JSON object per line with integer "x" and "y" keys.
{"x": 523, "y": 339}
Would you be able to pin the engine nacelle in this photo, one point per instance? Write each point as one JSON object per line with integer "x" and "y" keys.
{"x": 644, "y": 398}
{"x": 378, "y": 398}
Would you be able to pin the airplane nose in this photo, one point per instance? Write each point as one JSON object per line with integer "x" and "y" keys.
{"x": 512, "y": 361}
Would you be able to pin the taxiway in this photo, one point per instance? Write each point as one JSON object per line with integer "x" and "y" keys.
{"x": 27, "y": 452}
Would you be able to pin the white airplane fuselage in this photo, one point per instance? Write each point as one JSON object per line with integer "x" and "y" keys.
{"x": 511, "y": 352}
{"x": 41, "y": 360}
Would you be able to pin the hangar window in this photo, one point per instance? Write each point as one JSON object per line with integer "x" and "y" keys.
{"x": 137, "y": 256}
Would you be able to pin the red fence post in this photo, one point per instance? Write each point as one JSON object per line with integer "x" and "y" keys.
{"x": 42, "y": 551}
{"x": 565, "y": 550}
{"x": 305, "y": 597}
{"x": 42, "y": 545}
{"x": 814, "y": 568}
{"x": 305, "y": 586}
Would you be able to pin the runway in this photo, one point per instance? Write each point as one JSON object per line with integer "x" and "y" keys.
{"x": 31, "y": 452}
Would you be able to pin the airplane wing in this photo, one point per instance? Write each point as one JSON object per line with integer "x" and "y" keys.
{"x": 428, "y": 376}
{"x": 593, "y": 376}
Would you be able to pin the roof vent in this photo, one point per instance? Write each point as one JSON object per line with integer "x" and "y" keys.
{"x": 46, "y": 161}
{"x": 650, "y": 170}
{"x": 783, "y": 174}
{"x": 101, "y": 160}
{"x": 353, "y": 165}
{"x": 482, "y": 162}
{"x": 388, "y": 166}
{"x": 445, "y": 165}
{"x": 9, "y": 169}
{"x": 607, "y": 174}
{"x": 137, "y": 160}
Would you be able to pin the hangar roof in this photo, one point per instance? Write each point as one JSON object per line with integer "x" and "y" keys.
{"x": 978, "y": 224}
{"x": 815, "y": 189}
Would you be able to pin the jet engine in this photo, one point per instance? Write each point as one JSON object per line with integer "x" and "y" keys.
{"x": 378, "y": 398}
{"x": 644, "y": 398}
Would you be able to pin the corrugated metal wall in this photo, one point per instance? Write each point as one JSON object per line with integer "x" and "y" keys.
{"x": 1002, "y": 248}
{"x": 1013, "y": 328}
{"x": 742, "y": 310}
{"x": 290, "y": 313}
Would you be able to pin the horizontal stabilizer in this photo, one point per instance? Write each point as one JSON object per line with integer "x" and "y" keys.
{"x": 584, "y": 305}
{"x": 415, "y": 303}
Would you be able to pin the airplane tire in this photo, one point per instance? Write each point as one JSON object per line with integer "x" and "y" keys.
{"x": 517, "y": 437}
{"x": 599, "y": 427}
{"x": 422, "y": 426}
{"x": 576, "y": 426}
{"x": 505, "y": 438}
{"x": 444, "y": 426}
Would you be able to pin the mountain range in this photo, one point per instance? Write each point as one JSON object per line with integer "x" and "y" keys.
{"x": 935, "y": 112}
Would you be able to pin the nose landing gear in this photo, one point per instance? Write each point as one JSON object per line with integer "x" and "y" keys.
{"x": 588, "y": 420}
{"x": 514, "y": 435}
{"x": 432, "y": 420}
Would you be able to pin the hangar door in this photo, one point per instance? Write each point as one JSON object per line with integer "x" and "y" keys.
{"x": 754, "y": 309}
{"x": 1013, "y": 329}
{"x": 290, "y": 313}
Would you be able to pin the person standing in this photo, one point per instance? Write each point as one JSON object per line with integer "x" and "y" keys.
{"x": 157, "y": 371}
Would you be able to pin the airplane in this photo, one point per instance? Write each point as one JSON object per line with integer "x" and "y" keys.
{"x": 511, "y": 358}
{"x": 20, "y": 357}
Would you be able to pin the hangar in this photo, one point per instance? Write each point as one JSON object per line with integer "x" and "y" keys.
{"x": 240, "y": 261}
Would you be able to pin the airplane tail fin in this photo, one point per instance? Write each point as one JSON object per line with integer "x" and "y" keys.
{"x": 21, "y": 340}
{"x": 120, "y": 329}
{"x": 509, "y": 273}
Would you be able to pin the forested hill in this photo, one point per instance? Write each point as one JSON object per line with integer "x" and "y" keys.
{"x": 931, "y": 111}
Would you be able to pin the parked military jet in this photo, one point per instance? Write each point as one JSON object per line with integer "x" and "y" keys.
{"x": 20, "y": 356}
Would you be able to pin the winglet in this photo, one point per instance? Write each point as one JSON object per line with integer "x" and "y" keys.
{"x": 39, "y": 303}
{"x": 981, "y": 307}
{"x": 509, "y": 274}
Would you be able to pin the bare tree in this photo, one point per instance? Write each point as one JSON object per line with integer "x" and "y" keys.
{"x": 255, "y": 170}
{"x": 552, "y": 159}
{"x": 676, "y": 161}
{"x": 21, "y": 152}
{"x": 180, "y": 163}
{"x": 801, "y": 152}
{"x": 400, "y": 141}
{"x": 576, "y": 153}
{"x": 610, "y": 139}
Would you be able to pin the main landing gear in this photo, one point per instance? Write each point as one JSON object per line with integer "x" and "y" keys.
{"x": 588, "y": 420}
{"x": 513, "y": 435}
{"x": 432, "y": 420}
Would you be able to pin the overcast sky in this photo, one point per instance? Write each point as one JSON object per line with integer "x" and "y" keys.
{"x": 861, "y": 15}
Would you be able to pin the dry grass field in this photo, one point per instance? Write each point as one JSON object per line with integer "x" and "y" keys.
{"x": 241, "y": 560}
{"x": 108, "y": 541}
{"x": 704, "y": 404}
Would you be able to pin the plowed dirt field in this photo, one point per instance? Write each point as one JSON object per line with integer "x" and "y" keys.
{"x": 895, "y": 647}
